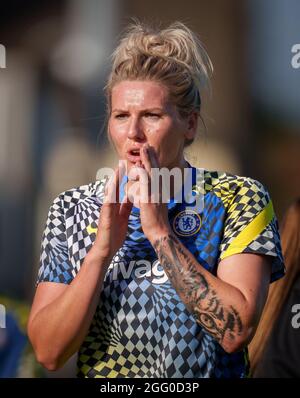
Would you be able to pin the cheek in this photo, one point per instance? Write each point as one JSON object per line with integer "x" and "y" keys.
{"x": 117, "y": 134}
{"x": 168, "y": 138}
{"x": 152, "y": 127}
{"x": 117, "y": 129}
{"x": 158, "y": 134}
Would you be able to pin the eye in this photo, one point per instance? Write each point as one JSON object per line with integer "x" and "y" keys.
{"x": 121, "y": 116}
{"x": 152, "y": 115}
{"x": 208, "y": 322}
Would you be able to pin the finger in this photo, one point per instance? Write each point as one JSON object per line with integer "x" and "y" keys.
{"x": 122, "y": 169}
{"x": 108, "y": 183}
{"x": 153, "y": 157}
{"x": 149, "y": 190}
{"x": 112, "y": 191}
{"x": 151, "y": 161}
{"x": 134, "y": 172}
{"x": 125, "y": 208}
{"x": 139, "y": 164}
{"x": 146, "y": 159}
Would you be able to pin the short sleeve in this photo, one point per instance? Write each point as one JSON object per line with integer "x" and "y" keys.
{"x": 251, "y": 226}
{"x": 55, "y": 265}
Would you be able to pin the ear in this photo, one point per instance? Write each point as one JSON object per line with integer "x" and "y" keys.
{"x": 191, "y": 125}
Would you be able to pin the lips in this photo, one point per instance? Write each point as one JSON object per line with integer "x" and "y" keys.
{"x": 133, "y": 155}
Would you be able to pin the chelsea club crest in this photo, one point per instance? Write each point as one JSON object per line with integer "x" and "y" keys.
{"x": 187, "y": 223}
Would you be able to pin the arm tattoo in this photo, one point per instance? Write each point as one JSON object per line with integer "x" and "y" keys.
{"x": 196, "y": 293}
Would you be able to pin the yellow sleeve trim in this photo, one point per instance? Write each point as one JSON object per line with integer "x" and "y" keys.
{"x": 252, "y": 230}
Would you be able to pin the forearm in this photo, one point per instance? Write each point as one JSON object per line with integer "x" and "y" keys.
{"x": 217, "y": 306}
{"x": 58, "y": 329}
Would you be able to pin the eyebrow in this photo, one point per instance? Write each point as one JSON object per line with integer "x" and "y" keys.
{"x": 144, "y": 110}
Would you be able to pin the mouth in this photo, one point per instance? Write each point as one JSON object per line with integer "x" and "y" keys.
{"x": 133, "y": 155}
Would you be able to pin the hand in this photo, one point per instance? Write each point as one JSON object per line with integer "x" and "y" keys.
{"x": 154, "y": 216}
{"x": 113, "y": 220}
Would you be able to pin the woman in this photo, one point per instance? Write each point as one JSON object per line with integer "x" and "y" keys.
{"x": 159, "y": 289}
{"x": 274, "y": 351}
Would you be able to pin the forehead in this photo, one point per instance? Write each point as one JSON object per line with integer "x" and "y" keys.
{"x": 139, "y": 93}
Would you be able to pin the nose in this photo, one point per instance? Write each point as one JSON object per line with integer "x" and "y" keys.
{"x": 135, "y": 130}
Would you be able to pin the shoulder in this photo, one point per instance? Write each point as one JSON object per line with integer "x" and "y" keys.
{"x": 220, "y": 180}
{"x": 233, "y": 188}
{"x": 91, "y": 192}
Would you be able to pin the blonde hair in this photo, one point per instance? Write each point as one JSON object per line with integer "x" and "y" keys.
{"x": 173, "y": 56}
{"x": 290, "y": 238}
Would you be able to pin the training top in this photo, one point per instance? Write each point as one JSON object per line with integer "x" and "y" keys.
{"x": 141, "y": 328}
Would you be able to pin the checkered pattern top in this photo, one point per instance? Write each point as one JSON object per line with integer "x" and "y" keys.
{"x": 141, "y": 328}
